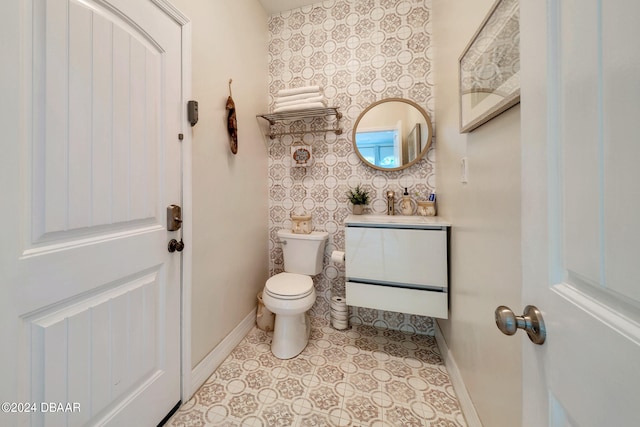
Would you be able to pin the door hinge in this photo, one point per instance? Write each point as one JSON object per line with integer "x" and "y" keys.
{"x": 180, "y": 136}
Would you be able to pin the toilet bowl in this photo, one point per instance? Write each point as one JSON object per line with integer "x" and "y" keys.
{"x": 289, "y": 295}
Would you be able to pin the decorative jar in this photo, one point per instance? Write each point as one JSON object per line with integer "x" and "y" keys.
{"x": 426, "y": 208}
{"x": 301, "y": 224}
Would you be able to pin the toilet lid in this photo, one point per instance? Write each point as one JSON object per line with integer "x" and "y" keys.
{"x": 288, "y": 285}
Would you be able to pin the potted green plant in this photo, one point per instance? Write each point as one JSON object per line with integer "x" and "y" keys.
{"x": 359, "y": 197}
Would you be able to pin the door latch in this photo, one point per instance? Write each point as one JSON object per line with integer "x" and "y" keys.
{"x": 174, "y": 218}
{"x": 192, "y": 112}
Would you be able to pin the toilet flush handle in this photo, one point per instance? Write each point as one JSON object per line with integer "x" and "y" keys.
{"x": 531, "y": 321}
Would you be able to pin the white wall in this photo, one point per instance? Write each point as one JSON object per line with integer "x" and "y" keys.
{"x": 485, "y": 212}
{"x": 229, "y": 192}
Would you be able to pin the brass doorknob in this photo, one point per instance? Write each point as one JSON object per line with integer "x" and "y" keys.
{"x": 531, "y": 321}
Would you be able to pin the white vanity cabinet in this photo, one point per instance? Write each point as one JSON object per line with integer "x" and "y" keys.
{"x": 397, "y": 263}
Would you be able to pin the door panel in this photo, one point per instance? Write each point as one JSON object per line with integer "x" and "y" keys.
{"x": 92, "y": 297}
{"x": 107, "y": 342}
{"x": 621, "y": 88}
{"x": 96, "y": 163}
{"x": 580, "y": 203}
{"x": 597, "y": 102}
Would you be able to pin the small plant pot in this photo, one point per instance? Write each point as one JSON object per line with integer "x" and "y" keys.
{"x": 358, "y": 209}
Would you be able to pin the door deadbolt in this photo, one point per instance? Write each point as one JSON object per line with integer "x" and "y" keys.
{"x": 174, "y": 245}
{"x": 174, "y": 218}
{"x": 531, "y": 321}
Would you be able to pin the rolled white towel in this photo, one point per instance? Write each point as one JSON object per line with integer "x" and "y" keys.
{"x": 298, "y": 90}
{"x": 299, "y": 107}
{"x": 297, "y": 97}
{"x": 300, "y": 101}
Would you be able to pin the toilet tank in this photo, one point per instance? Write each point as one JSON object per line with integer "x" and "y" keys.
{"x": 303, "y": 253}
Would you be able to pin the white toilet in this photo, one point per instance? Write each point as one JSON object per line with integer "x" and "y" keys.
{"x": 291, "y": 294}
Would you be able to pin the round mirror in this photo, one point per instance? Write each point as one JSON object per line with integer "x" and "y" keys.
{"x": 392, "y": 134}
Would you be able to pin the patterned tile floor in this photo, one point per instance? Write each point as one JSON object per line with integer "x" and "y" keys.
{"x": 362, "y": 376}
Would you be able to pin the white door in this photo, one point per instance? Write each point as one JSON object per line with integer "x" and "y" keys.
{"x": 581, "y": 205}
{"x": 90, "y": 296}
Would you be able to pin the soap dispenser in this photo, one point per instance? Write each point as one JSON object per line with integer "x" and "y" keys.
{"x": 407, "y": 207}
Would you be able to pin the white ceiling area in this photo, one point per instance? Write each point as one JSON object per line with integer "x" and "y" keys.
{"x": 277, "y": 6}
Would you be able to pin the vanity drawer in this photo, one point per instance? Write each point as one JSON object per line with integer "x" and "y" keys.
{"x": 402, "y": 300}
{"x": 413, "y": 257}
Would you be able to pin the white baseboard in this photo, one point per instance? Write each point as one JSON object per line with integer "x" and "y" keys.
{"x": 210, "y": 363}
{"x": 466, "y": 404}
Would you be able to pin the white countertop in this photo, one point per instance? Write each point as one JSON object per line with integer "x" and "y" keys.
{"x": 390, "y": 220}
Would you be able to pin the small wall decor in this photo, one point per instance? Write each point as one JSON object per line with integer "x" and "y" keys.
{"x": 232, "y": 123}
{"x": 490, "y": 67}
{"x": 301, "y": 155}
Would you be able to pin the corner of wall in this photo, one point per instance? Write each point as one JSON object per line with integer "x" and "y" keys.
{"x": 229, "y": 192}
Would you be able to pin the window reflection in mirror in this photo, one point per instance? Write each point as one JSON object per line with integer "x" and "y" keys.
{"x": 392, "y": 134}
{"x": 378, "y": 147}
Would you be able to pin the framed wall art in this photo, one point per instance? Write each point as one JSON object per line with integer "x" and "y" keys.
{"x": 301, "y": 155}
{"x": 490, "y": 67}
{"x": 413, "y": 142}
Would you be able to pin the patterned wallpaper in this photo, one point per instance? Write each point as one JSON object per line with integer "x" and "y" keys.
{"x": 359, "y": 51}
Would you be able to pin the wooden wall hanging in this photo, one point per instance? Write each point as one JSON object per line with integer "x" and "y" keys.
{"x": 232, "y": 122}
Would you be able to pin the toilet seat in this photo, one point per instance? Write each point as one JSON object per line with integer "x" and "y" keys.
{"x": 288, "y": 286}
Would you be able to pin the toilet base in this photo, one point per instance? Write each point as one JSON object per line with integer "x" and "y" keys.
{"x": 291, "y": 329}
{"x": 290, "y": 335}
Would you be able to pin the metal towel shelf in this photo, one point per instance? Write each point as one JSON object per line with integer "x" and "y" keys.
{"x": 310, "y": 113}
